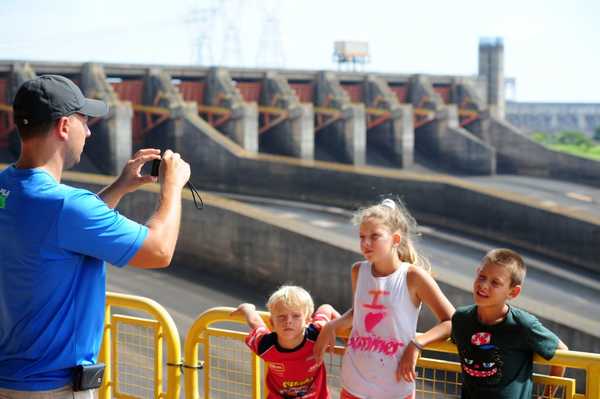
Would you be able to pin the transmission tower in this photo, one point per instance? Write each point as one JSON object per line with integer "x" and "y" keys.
{"x": 231, "y": 54}
{"x": 202, "y": 21}
{"x": 270, "y": 50}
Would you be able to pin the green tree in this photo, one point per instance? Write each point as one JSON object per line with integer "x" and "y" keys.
{"x": 578, "y": 139}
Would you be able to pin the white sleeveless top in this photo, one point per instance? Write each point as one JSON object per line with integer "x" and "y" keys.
{"x": 383, "y": 323}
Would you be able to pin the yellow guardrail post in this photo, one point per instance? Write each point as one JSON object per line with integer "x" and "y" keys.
{"x": 166, "y": 331}
{"x": 196, "y": 335}
{"x": 104, "y": 356}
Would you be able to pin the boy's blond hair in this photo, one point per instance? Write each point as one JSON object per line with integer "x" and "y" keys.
{"x": 508, "y": 259}
{"x": 293, "y": 297}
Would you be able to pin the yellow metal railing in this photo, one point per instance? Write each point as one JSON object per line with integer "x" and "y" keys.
{"x": 133, "y": 348}
{"x": 230, "y": 370}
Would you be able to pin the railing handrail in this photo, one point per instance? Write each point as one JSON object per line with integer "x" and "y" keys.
{"x": 580, "y": 360}
{"x": 169, "y": 329}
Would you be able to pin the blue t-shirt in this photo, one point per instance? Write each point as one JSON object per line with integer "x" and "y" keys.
{"x": 53, "y": 241}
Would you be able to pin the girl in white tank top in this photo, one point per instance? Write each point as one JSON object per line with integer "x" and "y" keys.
{"x": 388, "y": 288}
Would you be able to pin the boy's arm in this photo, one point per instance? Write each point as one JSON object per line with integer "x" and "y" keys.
{"x": 248, "y": 311}
{"x": 559, "y": 371}
{"x": 556, "y": 371}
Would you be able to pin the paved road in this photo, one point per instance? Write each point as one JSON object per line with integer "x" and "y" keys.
{"x": 553, "y": 192}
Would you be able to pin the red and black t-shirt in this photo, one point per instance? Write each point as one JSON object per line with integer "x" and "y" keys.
{"x": 292, "y": 373}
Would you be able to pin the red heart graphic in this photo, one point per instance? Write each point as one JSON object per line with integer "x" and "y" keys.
{"x": 372, "y": 319}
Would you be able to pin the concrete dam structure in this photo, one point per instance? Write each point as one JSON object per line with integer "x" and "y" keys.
{"x": 311, "y": 136}
{"x": 442, "y": 123}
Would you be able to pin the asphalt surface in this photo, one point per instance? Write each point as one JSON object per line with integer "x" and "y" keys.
{"x": 576, "y": 197}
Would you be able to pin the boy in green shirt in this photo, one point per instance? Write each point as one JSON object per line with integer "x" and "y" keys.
{"x": 496, "y": 342}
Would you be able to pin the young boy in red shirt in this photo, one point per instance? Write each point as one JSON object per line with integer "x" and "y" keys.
{"x": 288, "y": 347}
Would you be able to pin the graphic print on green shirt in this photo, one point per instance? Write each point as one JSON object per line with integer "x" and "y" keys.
{"x": 497, "y": 360}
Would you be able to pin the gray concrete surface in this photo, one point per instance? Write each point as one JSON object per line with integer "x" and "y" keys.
{"x": 243, "y": 125}
{"x": 109, "y": 148}
{"x": 344, "y": 140}
{"x": 443, "y": 140}
{"x": 394, "y": 139}
{"x": 296, "y": 135}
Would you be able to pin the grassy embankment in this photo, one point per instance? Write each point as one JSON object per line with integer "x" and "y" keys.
{"x": 574, "y": 143}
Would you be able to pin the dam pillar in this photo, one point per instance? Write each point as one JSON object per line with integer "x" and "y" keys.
{"x": 109, "y": 147}
{"x": 242, "y": 127}
{"x": 345, "y": 136}
{"x": 394, "y": 136}
{"x": 160, "y": 93}
{"x": 439, "y": 137}
{"x": 293, "y": 133}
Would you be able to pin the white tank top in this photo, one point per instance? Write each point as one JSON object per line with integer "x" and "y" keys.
{"x": 383, "y": 323}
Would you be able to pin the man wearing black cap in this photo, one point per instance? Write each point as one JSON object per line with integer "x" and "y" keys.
{"x": 54, "y": 240}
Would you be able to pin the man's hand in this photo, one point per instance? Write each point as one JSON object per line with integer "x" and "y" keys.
{"x": 131, "y": 177}
{"x": 173, "y": 170}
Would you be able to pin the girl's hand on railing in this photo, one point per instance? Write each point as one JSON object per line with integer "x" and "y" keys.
{"x": 325, "y": 341}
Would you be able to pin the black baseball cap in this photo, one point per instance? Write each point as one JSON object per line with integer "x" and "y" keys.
{"x": 49, "y": 97}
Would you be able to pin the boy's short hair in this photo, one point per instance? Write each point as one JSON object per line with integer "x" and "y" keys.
{"x": 508, "y": 259}
{"x": 293, "y": 297}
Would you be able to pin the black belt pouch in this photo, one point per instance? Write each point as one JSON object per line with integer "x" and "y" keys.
{"x": 87, "y": 376}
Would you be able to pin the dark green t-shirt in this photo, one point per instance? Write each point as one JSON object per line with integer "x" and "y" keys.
{"x": 497, "y": 360}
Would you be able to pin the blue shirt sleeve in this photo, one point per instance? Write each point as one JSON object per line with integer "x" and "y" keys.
{"x": 88, "y": 226}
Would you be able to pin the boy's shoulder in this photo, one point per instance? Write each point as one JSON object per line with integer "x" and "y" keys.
{"x": 523, "y": 318}
{"x": 463, "y": 313}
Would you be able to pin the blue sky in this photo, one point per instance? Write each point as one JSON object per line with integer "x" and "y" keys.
{"x": 550, "y": 46}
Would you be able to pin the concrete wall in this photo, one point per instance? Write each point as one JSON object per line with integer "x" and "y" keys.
{"x": 519, "y": 154}
{"x": 256, "y": 248}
